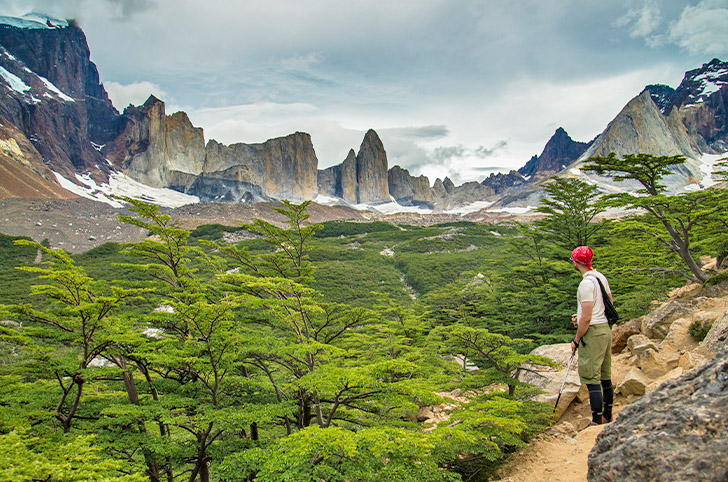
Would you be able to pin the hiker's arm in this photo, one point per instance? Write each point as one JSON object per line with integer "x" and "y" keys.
{"x": 583, "y": 326}
{"x": 586, "y": 315}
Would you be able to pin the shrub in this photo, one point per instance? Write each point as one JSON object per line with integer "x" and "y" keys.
{"x": 699, "y": 329}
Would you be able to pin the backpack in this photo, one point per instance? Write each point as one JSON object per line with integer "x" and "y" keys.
{"x": 609, "y": 311}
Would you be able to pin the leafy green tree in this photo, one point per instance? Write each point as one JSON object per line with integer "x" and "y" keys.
{"x": 193, "y": 366}
{"x": 678, "y": 215}
{"x": 78, "y": 317}
{"x": 571, "y": 208}
{"x": 69, "y": 459}
{"x": 491, "y": 422}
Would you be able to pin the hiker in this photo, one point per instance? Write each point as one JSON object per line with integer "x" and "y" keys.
{"x": 593, "y": 336}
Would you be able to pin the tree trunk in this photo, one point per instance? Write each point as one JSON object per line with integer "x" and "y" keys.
{"x": 683, "y": 251}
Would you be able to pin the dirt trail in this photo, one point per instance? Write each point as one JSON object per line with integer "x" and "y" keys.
{"x": 554, "y": 456}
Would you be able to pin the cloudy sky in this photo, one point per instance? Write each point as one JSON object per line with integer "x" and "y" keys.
{"x": 457, "y": 88}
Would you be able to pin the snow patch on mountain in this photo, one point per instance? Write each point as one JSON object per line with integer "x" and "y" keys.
{"x": 122, "y": 185}
{"x": 49, "y": 85}
{"x": 34, "y": 21}
{"x": 470, "y": 208}
{"x": 14, "y": 82}
{"x": 708, "y": 82}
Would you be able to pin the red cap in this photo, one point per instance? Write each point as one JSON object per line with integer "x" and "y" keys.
{"x": 583, "y": 255}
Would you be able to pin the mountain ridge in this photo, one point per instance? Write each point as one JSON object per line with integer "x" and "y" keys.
{"x": 50, "y": 76}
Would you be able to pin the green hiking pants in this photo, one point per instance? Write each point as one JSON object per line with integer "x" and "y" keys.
{"x": 595, "y": 355}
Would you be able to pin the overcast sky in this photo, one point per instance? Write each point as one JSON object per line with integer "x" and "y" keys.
{"x": 457, "y": 88}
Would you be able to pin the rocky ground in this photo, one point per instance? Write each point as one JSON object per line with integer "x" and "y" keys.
{"x": 79, "y": 224}
{"x": 640, "y": 367}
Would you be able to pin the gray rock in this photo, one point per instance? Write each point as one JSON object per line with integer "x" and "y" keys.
{"x": 638, "y": 344}
{"x": 717, "y": 337}
{"x": 679, "y": 432}
{"x": 372, "y": 184}
{"x": 408, "y": 190}
{"x": 656, "y": 325}
{"x": 549, "y": 379}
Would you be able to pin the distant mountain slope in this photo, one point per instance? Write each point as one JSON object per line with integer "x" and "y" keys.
{"x": 52, "y": 97}
{"x": 22, "y": 172}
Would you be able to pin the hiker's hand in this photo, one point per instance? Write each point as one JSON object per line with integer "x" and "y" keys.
{"x": 574, "y": 346}
{"x": 573, "y": 320}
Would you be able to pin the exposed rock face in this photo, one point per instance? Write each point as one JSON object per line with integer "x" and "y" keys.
{"x": 361, "y": 178}
{"x": 340, "y": 180}
{"x": 409, "y": 190}
{"x": 560, "y": 151}
{"x": 641, "y": 127}
{"x": 139, "y": 150}
{"x": 701, "y": 101}
{"x": 157, "y": 149}
{"x": 54, "y": 122}
{"x": 283, "y": 168}
{"x": 499, "y": 182}
{"x": 438, "y": 189}
{"x": 56, "y": 101}
{"x": 349, "y": 177}
{"x": 661, "y": 95}
{"x": 372, "y": 184}
{"x": 677, "y": 432}
{"x": 62, "y": 56}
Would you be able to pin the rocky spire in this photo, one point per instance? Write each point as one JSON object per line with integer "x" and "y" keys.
{"x": 372, "y": 185}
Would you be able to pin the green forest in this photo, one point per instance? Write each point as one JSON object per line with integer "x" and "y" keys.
{"x": 305, "y": 352}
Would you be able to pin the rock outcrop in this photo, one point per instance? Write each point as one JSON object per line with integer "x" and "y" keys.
{"x": 54, "y": 97}
{"x": 340, "y": 180}
{"x": 499, "y": 183}
{"x": 372, "y": 183}
{"x": 677, "y": 432}
{"x": 151, "y": 145}
{"x": 408, "y": 190}
{"x": 701, "y": 105}
{"x": 283, "y": 168}
{"x": 549, "y": 379}
{"x": 641, "y": 127}
{"x": 361, "y": 178}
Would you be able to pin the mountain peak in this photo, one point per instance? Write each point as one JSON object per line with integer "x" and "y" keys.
{"x": 560, "y": 151}
{"x": 699, "y": 84}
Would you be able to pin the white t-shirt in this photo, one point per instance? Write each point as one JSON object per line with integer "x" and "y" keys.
{"x": 589, "y": 291}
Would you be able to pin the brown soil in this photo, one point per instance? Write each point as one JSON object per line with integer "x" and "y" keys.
{"x": 557, "y": 457}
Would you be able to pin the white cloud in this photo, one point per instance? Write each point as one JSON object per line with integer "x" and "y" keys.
{"x": 642, "y": 22}
{"x": 702, "y": 29}
{"x": 135, "y": 93}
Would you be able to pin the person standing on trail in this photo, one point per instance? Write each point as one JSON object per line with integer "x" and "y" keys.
{"x": 593, "y": 336}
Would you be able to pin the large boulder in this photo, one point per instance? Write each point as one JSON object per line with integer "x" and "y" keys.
{"x": 656, "y": 324}
{"x": 549, "y": 379}
{"x": 678, "y": 432}
{"x": 622, "y": 332}
{"x": 634, "y": 383}
{"x": 717, "y": 337}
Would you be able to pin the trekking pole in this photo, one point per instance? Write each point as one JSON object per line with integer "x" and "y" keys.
{"x": 564, "y": 382}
